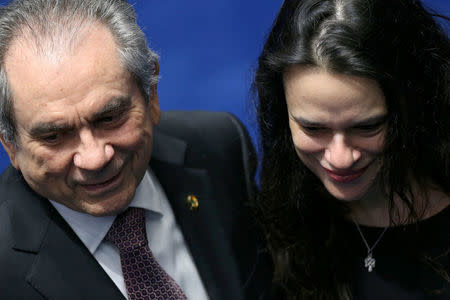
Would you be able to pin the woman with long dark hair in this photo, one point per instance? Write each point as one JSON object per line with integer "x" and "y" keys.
{"x": 354, "y": 118}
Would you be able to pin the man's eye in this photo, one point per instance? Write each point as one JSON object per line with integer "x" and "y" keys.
{"x": 52, "y": 138}
{"x": 111, "y": 120}
{"x": 108, "y": 119}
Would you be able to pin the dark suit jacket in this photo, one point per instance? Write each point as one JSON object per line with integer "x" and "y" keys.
{"x": 205, "y": 154}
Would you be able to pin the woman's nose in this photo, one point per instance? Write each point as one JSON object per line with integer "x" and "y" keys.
{"x": 340, "y": 154}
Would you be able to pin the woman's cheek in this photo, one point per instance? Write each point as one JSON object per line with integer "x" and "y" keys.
{"x": 305, "y": 143}
{"x": 374, "y": 145}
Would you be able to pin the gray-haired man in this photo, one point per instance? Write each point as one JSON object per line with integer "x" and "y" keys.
{"x": 78, "y": 110}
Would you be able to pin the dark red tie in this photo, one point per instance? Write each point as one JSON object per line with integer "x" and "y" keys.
{"x": 144, "y": 277}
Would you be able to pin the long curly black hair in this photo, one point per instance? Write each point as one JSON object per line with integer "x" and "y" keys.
{"x": 400, "y": 45}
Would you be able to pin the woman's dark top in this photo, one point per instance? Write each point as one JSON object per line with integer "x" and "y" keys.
{"x": 412, "y": 261}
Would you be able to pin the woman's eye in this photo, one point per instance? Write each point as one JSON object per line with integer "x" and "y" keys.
{"x": 312, "y": 129}
{"x": 369, "y": 128}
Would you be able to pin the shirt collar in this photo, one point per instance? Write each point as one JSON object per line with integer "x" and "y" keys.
{"x": 91, "y": 229}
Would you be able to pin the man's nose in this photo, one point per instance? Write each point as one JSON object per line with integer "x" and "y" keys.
{"x": 340, "y": 154}
{"x": 92, "y": 153}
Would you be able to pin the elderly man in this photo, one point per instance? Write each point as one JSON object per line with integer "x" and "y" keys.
{"x": 84, "y": 212}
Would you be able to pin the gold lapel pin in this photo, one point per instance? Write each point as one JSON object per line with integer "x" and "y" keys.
{"x": 192, "y": 202}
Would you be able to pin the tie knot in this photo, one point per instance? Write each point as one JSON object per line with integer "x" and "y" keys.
{"x": 128, "y": 230}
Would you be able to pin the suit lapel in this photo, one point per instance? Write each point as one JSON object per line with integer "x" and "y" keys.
{"x": 201, "y": 230}
{"x": 62, "y": 267}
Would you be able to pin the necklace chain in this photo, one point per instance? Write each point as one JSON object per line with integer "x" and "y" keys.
{"x": 369, "y": 261}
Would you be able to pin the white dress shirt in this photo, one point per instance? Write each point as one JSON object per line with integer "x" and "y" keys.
{"x": 164, "y": 236}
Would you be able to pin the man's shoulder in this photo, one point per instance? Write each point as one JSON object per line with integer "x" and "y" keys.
{"x": 5, "y": 187}
{"x": 6, "y": 184}
{"x": 8, "y": 181}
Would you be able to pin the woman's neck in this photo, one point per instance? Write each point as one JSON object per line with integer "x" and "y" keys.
{"x": 373, "y": 209}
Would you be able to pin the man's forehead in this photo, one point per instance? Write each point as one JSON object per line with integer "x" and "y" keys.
{"x": 95, "y": 53}
{"x": 54, "y": 44}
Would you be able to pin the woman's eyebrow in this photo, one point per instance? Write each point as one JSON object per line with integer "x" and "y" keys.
{"x": 367, "y": 121}
{"x": 372, "y": 120}
{"x": 305, "y": 122}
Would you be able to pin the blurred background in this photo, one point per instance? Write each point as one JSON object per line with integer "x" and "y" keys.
{"x": 208, "y": 51}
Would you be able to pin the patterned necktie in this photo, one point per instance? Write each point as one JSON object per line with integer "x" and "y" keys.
{"x": 144, "y": 277}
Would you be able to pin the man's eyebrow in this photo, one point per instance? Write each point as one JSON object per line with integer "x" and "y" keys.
{"x": 41, "y": 129}
{"x": 118, "y": 103}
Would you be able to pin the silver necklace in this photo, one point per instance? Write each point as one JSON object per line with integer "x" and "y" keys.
{"x": 369, "y": 261}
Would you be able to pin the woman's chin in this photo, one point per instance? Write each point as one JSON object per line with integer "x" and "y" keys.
{"x": 347, "y": 193}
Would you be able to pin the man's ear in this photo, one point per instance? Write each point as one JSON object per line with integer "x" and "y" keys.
{"x": 11, "y": 149}
{"x": 155, "y": 110}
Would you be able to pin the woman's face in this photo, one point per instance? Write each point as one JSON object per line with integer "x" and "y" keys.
{"x": 338, "y": 125}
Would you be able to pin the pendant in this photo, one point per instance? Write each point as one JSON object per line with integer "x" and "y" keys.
{"x": 369, "y": 262}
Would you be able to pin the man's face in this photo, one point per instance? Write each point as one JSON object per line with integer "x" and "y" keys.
{"x": 84, "y": 129}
